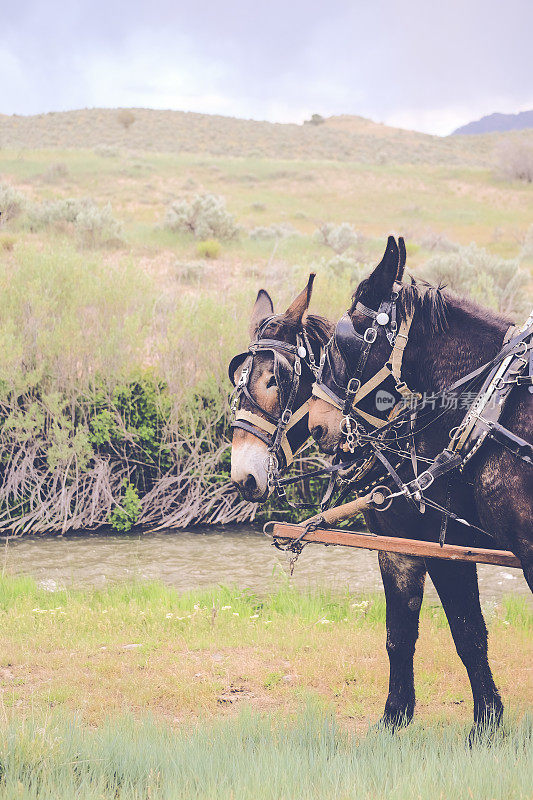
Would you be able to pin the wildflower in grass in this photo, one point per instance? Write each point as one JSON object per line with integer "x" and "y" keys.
{"x": 235, "y": 613}
{"x": 325, "y": 621}
{"x": 254, "y": 616}
{"x": 169, "y": 616}
{"x": 225, "y": 608}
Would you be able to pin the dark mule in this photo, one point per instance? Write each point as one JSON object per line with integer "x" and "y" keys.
{"x": 266, "y": 390}
{"x": 449, "y": 337}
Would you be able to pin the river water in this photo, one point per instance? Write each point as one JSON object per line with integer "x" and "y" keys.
{"x": 197, "y": 557}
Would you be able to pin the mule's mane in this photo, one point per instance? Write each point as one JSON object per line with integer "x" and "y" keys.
{"x": 319, "y": 329}
{"x": 433, "y": 305}
{"x": 429, "y": 301}
{"x": 421, "y": 297}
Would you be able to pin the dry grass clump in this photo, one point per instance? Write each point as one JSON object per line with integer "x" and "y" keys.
{"x": 93, "y": 226}
{"x": 281, "y": 230}
{"x": 7, "y": 243}
{"x": 338, "y": 237}
{"x": 209, "y": 248}
{"x": 490, "y": 280}
{"x": 126, "y": 118}
{"x": 97, "y": 227}
{"x": 191, "y": 272}
{"x": 436, "y": 241}
{"x": 514, "y": 160}
{"x": 527, "y": 245}
{"x": 12, "y": 204}
{"x": 106, "y": 151}
{"x": 205, "y": 217}
{"x": 57, "y": 171}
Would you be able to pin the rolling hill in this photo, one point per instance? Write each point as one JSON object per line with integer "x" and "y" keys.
{"x": 344, "y": 138}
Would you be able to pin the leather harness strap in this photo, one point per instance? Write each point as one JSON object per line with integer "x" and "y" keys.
{"x": 264, "y": 425}
{"x": 376, "y": 421}
{"x": 392, "y": 367}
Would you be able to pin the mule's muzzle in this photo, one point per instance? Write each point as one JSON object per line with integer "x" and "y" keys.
{"x": 249, "y": 490}
{"x": 327, "y": 443}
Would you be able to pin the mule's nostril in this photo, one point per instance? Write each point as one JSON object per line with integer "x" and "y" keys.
{"x": 250, "y": 484}
{"x": 317, "y": 433}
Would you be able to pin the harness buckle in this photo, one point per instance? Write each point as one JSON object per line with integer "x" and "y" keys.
{"x": 298, "y": 367}
{"x": 286, "y": 416}
{"x": 407, "y": 393}
{"x": 370, "y": 335}
{"x": 243, "y": 379}
{"x": 420, "y": 484}
{"x": 353, "y": 386}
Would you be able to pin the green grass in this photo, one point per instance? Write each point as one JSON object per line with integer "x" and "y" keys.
{"x": 259, "y": 757}
{"x": 145, "y": 646}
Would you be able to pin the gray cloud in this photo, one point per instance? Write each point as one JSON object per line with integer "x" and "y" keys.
{"x": 415, "y": 63}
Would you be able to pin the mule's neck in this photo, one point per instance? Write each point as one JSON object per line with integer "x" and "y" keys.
{"x": 435, "y": 359}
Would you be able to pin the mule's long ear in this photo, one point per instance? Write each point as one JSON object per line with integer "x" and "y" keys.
{"x": 298, "y": 308}
{"x": 262, "y": 309}
{"x": 402, "y": 259}
{"x": 378, "y": 285}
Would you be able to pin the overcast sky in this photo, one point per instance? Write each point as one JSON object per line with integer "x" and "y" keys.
{"x": 430, "y": 65}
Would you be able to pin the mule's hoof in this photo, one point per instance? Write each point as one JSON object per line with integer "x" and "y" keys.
{"x": 390, "y": 723}
{"x": 484, "y": 729}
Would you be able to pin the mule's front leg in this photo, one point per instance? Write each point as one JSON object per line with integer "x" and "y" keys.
{"x": 403, "y": 580}
{"x": 458, "y": 590}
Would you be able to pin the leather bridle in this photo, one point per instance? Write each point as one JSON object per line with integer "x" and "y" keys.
{"x": 271, "y": 429}
{"x": 351, "y": 347}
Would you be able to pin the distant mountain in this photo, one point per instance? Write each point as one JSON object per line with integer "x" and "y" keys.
{"x": 496, "y": 123}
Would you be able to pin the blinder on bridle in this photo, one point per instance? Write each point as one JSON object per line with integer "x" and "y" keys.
{"x": 271, "y": 429}
{"x": 338, "y": 383}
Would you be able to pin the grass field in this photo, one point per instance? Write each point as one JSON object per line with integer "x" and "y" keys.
{"x": 259, "y": 757}
{"x": 146, "y": 647}
{"x": 137, "y": 691}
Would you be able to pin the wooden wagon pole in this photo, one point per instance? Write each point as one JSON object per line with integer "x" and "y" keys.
{"x": 392, "y": 544}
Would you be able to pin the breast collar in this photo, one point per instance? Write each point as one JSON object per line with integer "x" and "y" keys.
{"x": 269, "y": 428}
{"x": 354, "y": 349}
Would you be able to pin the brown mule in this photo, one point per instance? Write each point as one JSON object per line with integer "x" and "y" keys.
{"x": 264, "y": 376}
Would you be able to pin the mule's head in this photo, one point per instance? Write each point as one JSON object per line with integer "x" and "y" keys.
{"x": 344, "y": 351}
{"x": 268, "y": 386}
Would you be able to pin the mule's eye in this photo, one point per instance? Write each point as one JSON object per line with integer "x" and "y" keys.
{"x": 271, "y": 383}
